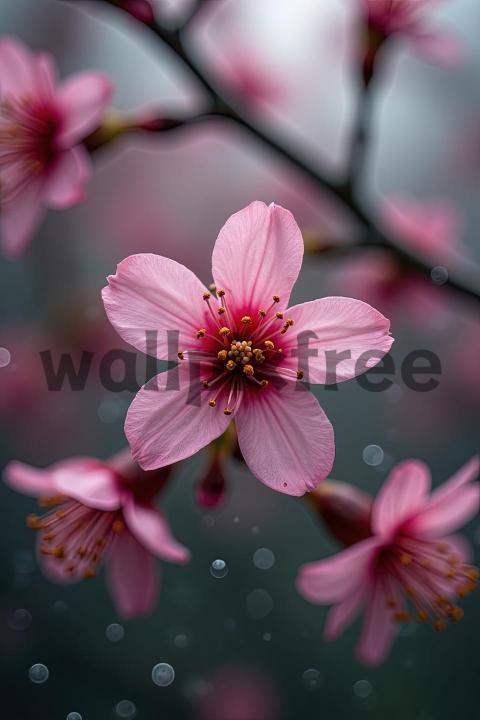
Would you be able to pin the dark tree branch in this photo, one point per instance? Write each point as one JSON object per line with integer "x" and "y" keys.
{"x": 220, "y": 106}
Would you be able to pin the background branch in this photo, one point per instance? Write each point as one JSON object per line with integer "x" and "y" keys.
{"x": 221, "y": 107}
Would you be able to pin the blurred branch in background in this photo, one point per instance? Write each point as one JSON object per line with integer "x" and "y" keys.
{"x": 219, "y": 106}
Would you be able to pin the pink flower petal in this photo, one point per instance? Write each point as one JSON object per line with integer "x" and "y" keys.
{"x": 19, "y": 220}
{"x": 17, "y": 69}
{"x": 342, "y": 615}
{"x": 95, "y": 487}
{"x": 379, "y": 630}
{"x": 451, "y": 505}
{"x": 132, "y": 577}
{"x": 333, "y": 580}
{"x": 459, "y": 545}
{"x": 153, "y": 293}
{"x": 258, "y": 254}
{"x": 66, "y": 184}
{"x": 285, "y": 438}
{"x": 404, "y": 492}
{"x": 29, "y": 480}
{"x": 151, "y": 529}
{"x": 83, "y": 100}
{"x": 331, "y": 326}
{"x": 437, "y": 47}
{"x": 46, "y": 72}
{"x": 166, "y": 425}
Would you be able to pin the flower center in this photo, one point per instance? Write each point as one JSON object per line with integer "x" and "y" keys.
{"x": 28, "y": 129}
{"x": 76, "y": 536}
{"x": 241, "y": 350}
{"x": 431, "y": 574}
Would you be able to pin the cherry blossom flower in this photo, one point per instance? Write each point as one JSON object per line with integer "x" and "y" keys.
{"x": 387, "y": 17}
{"x": 100, "y": 512}
{"x": 42, "y": 161}
{"x": 411, "y": 566}
{"x": 240, "y": 358}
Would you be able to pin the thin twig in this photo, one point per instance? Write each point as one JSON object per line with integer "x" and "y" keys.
{"x": 221, "y": 107}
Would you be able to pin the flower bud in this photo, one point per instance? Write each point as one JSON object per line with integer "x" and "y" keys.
{"x": 344, "y": 509}
{"x": 211, "y": 488}
{"x": 141, "y": 10}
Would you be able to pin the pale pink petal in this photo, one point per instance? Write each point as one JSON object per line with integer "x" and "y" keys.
{"x": 459, "y": 545}
{"x": 166, "y": 423}
{"x": 451, "y": 505}
{"x": 46, "y": 75}
{"x": 258, "y": 254}
{"x": 285, "y": 438}
{"x": 439, "y": 48}
{"x": 468, "y": 473}
{"x": 379, "y": 629}
{"x": 342, "y": 615}
{"x": 17, "y": 69}
{"x": 404, "y": 492}
{"x": 95, "y": 487}
{"x": 151, "y": 529}
{"x": 153, "y": 293}
{"x": 19, "y": 220}
{"x": 336, "y": 578}
{"x": 65, "y": 185}
{"x": 132, "y": 577}
{"x": 29, "y": 480}
{"x": 83, "y": 100}
{"x": 329, "y": 327}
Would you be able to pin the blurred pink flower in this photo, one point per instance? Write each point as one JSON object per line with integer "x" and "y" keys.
{"x": 430, "y": 230}
{"x": 244, "y": 76}
{"x": 239, "y": 693}
{"x": 100, "y": 514}
{"x": 239, "y": 348}
{"x": 411, "y": 559}
{"x": 386, "y": 17}
{"x": 42, "y": 124}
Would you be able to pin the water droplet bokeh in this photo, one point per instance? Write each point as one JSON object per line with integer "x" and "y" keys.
{"x": 218, "y": 568}
{"x": 39, "y": 673}
{"x": 439, "y": 275}
{"x": 362, "y": 688}
{"x": 163, "y": 674}
{"x": 312, "y": 678}
{"x": 263, "y": 559}
{"x": 115, "y": 632}
{"x": 259, "y": 604}
{"x": 125, "y": 709}
{"x": 20, "y": 619}
{"x": 373, "y": 455}
{"x": 5, "y": 357}
{"x": 181, "y": 640}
